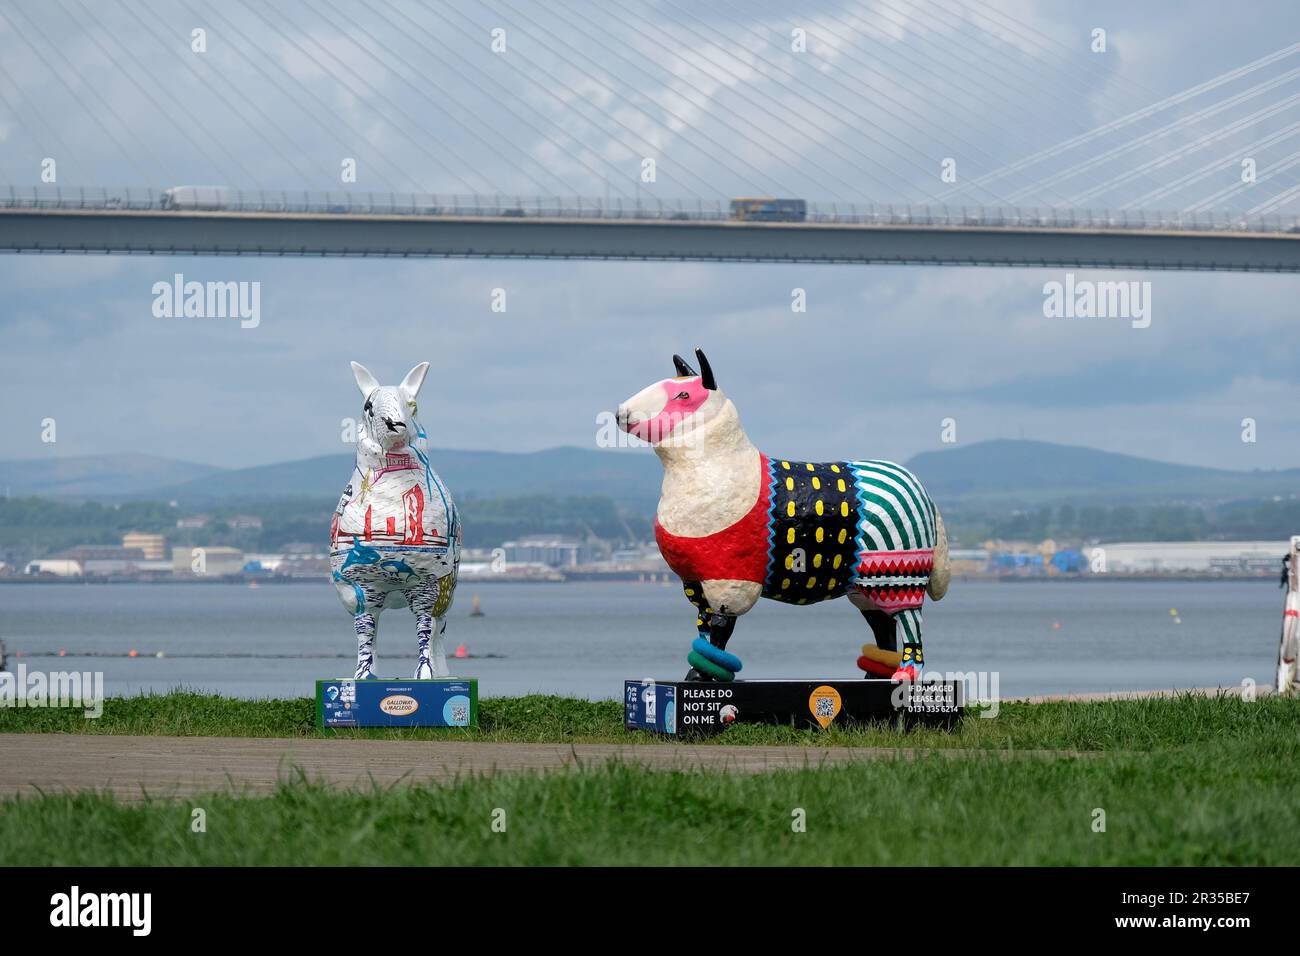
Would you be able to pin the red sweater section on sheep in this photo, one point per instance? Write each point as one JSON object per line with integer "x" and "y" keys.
{"x": 737, "y": 553}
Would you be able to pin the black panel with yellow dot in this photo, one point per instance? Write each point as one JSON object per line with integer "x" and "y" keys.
{"x": 812, "y": 526}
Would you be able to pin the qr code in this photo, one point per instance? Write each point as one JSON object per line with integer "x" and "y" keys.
{"x": 459, "y": 714}
{"x": 825, "y": 707}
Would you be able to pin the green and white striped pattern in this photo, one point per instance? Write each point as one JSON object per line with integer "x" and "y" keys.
{"x": 895, "y": 512}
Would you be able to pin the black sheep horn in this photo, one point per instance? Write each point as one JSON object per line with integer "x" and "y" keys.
{"x": 706, "y": 373}
{"x": 683, "y": 370}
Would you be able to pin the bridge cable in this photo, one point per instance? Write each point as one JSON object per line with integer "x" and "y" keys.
{"x": 711, "y": 103}
{"x": 375, "y": 97}
{"x": 1175, "y": 126}
{"x": 493, "y": 147}
{"x": 724, "y": 149}
{"x": 835, "y": 79}
{"x": 1023, "y": 30}
{"x": 824, "y": 131}
{"x": 914, "y": 69}
{"x": 1026, "y": 33}
{"x": 502, "y": 137}
{"x": 38, "y": 140}
{"x": 1083, "y": 81}
{"x": 556, "y": 51}
{"x": 1279, "y": 201}
{"x": 1262, "y": 175}
{"x": 706, "y": 109}
{"x": 209, "y": 84}
{"x": 1036, "y": 79}
{"x": 167, "y": 114}
{"x": 78, "y": 98}
{"x": 737, "y": 89}
{"x": 1182, "y": 152}
{"x": 952, "y": 49}
{"x": 1045, "y": 73}
{"x": 1218, "y": 164}
{"x": 328, "y": 125}
{"x": 1139, "y": 115}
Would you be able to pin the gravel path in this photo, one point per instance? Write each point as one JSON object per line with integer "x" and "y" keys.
{"x": 130, "y": 767}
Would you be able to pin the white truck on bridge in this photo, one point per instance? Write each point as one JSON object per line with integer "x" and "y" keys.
{"x": 199, "y": 198}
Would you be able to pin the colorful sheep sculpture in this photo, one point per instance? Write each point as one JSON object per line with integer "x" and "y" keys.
{"x": 395, "y": 537}
{"x": 736, "y": 525}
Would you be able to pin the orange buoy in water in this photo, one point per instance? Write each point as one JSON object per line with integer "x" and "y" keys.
{"x": 133, "y": 653}
{"x": 461, "y": 652}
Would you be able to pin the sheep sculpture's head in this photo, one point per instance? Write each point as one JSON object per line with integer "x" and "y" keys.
{"x": 668, "y": 411}
{"x": 388, "y": 416}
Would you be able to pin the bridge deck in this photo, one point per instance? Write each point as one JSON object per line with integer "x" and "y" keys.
{"x": 157, "y": 232}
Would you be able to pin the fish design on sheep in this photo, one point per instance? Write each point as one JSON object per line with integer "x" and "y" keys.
{"x": 736, "y": 525}
{"x": 395, "y": 536}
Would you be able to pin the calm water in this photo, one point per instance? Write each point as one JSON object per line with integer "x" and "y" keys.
{"x": 584, "y": 639}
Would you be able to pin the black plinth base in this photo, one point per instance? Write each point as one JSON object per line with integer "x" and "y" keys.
{"x": 705, "y": 707}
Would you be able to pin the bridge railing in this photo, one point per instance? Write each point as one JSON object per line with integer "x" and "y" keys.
{"x": 356, "y": 202}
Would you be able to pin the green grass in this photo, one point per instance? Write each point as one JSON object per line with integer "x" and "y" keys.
{"x": 1183, "y": 781}
{"x": 1219, "y": 804}
{"x": 1147, "y": 724}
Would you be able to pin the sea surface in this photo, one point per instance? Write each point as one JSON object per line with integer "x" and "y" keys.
{"x": 584, "y": 639}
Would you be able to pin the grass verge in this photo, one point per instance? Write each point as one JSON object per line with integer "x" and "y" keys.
{"x": 1188, "y": 780}
{"x": 1212, "y": 804}
{"x": 1145, "y": 724}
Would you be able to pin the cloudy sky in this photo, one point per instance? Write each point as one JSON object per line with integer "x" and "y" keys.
{"x": 580, "y": 95}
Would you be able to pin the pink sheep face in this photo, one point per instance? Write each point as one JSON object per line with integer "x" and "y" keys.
{"x": 654, "y": 414}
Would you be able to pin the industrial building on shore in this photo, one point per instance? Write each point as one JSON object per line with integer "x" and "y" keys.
{"x": 1187, "y": 557}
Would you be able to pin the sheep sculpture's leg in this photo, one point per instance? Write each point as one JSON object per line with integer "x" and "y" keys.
{"x": 366, "y": 622}
{"x": 363, "y": 595}
{"x": 883, "y": 629}
{"x": 370, "y": 598}
{"x": 429, "y": 608}
{"x": 708, "y": 658}
{"x": 432, "y": 661}
{"x": 884, "y": 659}
{"x": 367, "y": 629}
{"x": 909, "y": 626}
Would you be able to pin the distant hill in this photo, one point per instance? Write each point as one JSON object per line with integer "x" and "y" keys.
{"x": 1002, "y": 473}
{"x": 629, "y": 477}
{"x": 96, "y": 476}
{"x": 1007, "y": 470}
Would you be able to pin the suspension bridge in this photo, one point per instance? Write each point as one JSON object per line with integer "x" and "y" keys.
{"x": 511, "y": 108}
{"x": 553, "y": 230}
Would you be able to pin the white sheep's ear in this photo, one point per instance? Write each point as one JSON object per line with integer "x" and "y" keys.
{"x": 365, "y": 381}
{"x": 414, "y": 379}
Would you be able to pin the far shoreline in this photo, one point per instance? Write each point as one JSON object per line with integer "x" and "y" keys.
{"x": 658, "y": 580}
